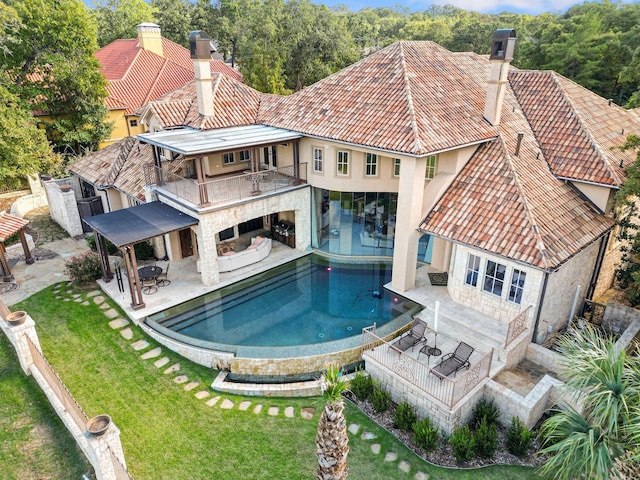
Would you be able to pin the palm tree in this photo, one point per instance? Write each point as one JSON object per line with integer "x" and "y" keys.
{"x": 332, "y": 440}
{"x": 607, "y": 382}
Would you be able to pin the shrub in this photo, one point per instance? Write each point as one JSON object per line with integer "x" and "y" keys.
{"x": 518, "y": 437}
{"x": 485, "y": 409}
{"x": 486, "y": 439}
{"x": 405, "y": 416}
{"x": 380, "y": 399}
{"x": 425, "y": 434}
{"x": 361, "y": 385}
{"x": 463, "y": 443}
{"x": 144, "y": 250}
{"x": 111, "y": 248}
{"x": 84, "y": 268}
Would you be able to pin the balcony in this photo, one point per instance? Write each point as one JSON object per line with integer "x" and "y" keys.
{"x": 228, "y": 189}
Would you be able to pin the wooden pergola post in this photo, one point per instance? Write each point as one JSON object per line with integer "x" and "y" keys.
{"x": 6, "y": 271}
{"x": 132, "y": 275}
{"x": 107, "y": 275}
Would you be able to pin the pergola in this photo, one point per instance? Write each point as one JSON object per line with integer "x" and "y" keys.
{"x": 10, "y": 225}
{"x": 124, "y": 228}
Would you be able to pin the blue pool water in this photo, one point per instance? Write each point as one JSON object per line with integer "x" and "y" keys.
{"x": 311, "y": 300}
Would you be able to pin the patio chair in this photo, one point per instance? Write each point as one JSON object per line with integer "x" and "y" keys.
{"x": 162, "y": 280}
{"x": 413, "y": 337}
{"x": 149, "y": 285}
{"x": 452, "y": 362}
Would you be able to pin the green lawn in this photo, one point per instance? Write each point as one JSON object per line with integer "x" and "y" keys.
{"x": 169, "y": 434}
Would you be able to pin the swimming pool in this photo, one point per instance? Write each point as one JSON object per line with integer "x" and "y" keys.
{"x": 312, "y": 300}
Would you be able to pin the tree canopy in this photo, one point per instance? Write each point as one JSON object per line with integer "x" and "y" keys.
{"x": 118, "y": 19}
{"x": 52, "y": 69}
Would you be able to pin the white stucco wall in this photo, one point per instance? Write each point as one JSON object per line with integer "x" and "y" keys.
{"x": 63, "y": 206}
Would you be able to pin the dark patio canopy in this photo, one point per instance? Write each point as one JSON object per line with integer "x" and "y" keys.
{"x": 139, "y": 223}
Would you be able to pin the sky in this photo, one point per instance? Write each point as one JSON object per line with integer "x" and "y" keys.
{"x": 532, "y": 7}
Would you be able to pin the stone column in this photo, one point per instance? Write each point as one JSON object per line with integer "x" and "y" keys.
{"x": 17, "y": 335}
{"x": 207, "y": 251}
{"x": 99, "y": 455}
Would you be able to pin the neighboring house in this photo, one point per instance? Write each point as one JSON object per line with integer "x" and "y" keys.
{"x": 141, "y": 70}
{"x": 502, "y": 179}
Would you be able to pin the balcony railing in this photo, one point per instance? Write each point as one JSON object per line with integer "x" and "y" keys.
{"x": 448, "y": 391}
{"x": 517, "y": 326}
{"x": 229, "y": 189}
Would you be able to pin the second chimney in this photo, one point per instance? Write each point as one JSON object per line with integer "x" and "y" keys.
{"x": 149, "y": 38}
{"x": 200, "y": 47}
{"x": 504, "y": 42}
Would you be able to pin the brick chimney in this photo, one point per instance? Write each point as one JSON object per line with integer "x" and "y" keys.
{"x": 200, "y": 47}
{"x": 149, "y": 38}
{"x": 504, "y": 41}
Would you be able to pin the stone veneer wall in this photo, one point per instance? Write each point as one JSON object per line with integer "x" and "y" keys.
{"x": 617, "y": 317}
{"x": 611, "y": 261}
{"x": 487, "y": 303}
{"x": 63, "y": 206}
{"x": 447, "y": 420}
{"x": 561, "y": 289}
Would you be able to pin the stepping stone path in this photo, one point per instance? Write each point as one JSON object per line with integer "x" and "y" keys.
{"x": 213, "y": 401}
{"x": 289, "y": 412}
{"x": 354, "y": 428}
{"x": 98, "y": 300}
{"x": 404, "y": 466}
{"x": 118, "y": 323}
{"x": 244, "y": 405}
{"x": 93, "y": 293}
{"x": 391, "y": 457}
{"x": 368, "y": 436}
{"x": 227, "y": 404}
{"x": 111, "y": 313}
{"x": 173, "y": 368}
{"x": 66, "y": 300}
{"x": 77, "y": 300}
{"x": 76, "y": 295}
{"x": 202, "y": 394}
{"x": 151, "y": 353}
{"x": 161, "y": 363}
{"x": 127, "y": 333}
{"x": 105, "y": 305}
{"x": 181, "y": 379}
{"x": 421, "y": 476}
{"x": 191, "y": 385}
{"x": 85, "y": 303}
{"x": 273, "y": 411}
{"x": 375, "y": 448}
{"x": 307, "y": 413}
{"x": 257, "y": 409}
{"x": 140, "y": 345}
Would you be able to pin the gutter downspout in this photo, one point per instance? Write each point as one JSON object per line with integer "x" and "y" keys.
{"x": 542, "y": 294}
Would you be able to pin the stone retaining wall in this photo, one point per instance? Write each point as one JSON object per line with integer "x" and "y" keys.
{"x": 617, "y": 317}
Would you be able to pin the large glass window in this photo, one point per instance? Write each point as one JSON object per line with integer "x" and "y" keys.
{"x": 473, "y": 270}
{"x": 432, "y": 162}
{"x": 494, "y": 278}
{"x": 228, "y": 158}
{"x": 245, "y": 156}
{"x": 518, "y": 278}
{"x": 343, "y": 163}
{"x": 371, "y": 165}
{"x": 318, "y": 160}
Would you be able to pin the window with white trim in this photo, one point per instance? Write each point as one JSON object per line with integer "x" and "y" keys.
{"x": 318, "y": 160}
{"x": 228, "y": 158}
{"x": 432, "y": 163}
{"x": 396, "y": 167}
{"x": 473, "y": 270}
{"x": 518, "y": 278}
{"x": 494, "y": 278}
{"x": 371, "y": 165}
{"x": 245, "y": 155}
{"x": 342, "y": 163}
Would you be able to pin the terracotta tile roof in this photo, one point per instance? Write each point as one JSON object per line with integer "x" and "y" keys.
{"x": 513, "y": 206}
{"x": 94, "y": 167}
{"x": 579, "y": 131}
{"x": 10, "y": 224}
{"x": 136, "y": 76}
{"x": 409, "y": 97}
{"x": 235, "y": 104}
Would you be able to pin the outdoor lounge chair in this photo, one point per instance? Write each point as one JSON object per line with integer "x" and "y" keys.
{"x": 413, "y": 337}
{"x": 452, "y": 362}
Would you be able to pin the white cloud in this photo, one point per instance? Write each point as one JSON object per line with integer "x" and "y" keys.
{"x": 496, "y": 6}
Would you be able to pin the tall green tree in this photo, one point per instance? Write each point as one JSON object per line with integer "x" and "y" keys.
{"x": 607, "y": 381}
{"x": 174, "y": 18}
{"x": 52, "y": 69}
{"x": 24, "y": 149}
{"x": 118, "y": 19}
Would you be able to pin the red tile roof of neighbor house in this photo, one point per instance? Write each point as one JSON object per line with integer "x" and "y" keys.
{"x": 514, "y": 206}
{"x": 579, "y": 132}
{"x": 136, "y": 76}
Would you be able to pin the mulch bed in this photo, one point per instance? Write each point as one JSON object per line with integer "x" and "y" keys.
{"x": 443, "y": 454}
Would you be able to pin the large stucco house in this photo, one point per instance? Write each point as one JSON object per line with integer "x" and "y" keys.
{"x": 502, "y": 179}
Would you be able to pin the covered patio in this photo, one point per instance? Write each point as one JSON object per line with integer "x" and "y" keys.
{"x": 124, "y": 228}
